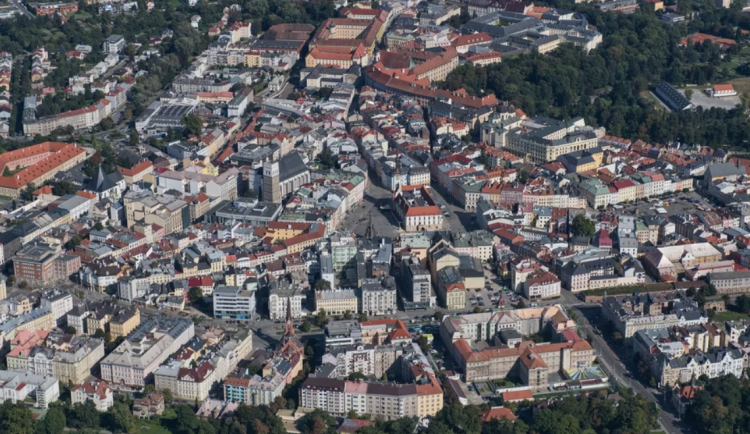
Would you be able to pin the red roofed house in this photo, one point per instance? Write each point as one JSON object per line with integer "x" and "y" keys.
{"x": 205, "y": 283}
{"x": 96, "y": 391}
{"x": 498, "y": 413}
{"x": 137, "y": 172}
{"x": 720, "y": 90}
{"x": 416, "y": 209}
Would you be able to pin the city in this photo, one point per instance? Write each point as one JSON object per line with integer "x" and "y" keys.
{"x": 309, "y": 217}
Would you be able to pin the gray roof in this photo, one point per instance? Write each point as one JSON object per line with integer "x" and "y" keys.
{"x": 291, "y": 165}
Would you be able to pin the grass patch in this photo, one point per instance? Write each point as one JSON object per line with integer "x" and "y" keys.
{"x": 742, "y": 86}
{"x": 730, "y": 316}
{"x": 144, "y": 426}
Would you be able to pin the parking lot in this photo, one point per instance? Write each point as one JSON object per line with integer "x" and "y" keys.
{"x": 457, "y": 219}
{"x": 702, "y": 99}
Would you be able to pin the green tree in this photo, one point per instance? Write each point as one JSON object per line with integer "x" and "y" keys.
{"x": 521, "y": 304}
{"x": 582, "y": 226}
{"x": 133, "y": 137}
{"x": 192, "y": 124}
{"x": 16, "y": 419}
{"x": 83, "y": 415}
{"x": 322, "y": 285}
{"x": 186, "y": 422}
{"x": 99, "y": 333}
{"x": 362, "y": 317}
{"x": 743, "y": 303}
{"x": 70, "y": 330}
{"x": 119, "y": 419}
{"x": 99, "y": 226}
{"x": 424, "y": 344}
{"x": 356, "y": 375}
{"x": 305, "y": 327}
{"x": 107, "y": 124}
{"x": 54, "y": 422}
{"x": 438, "y": 315}
{"x": 168, "y": 397}
{"x": 195, "y": 294}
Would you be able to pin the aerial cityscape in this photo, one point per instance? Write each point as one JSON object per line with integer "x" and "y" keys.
{"x": 374, "y": 217}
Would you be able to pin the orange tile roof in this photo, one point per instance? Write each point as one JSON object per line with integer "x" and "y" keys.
{"x": 61, "y": 153}
{"x": 138, "y": 168}
{"x": 519, "y": 395}
{"x": 498, "y": 413}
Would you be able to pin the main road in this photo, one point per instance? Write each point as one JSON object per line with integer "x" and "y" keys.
{"x": 617, "y": 369}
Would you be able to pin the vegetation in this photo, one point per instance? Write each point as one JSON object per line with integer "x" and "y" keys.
{"x": 605, "y": 86}
{"x": 582, "y": 226}
{"x": 195, "y": 294}
{"x": 192, "y": 124}
{"x": 723, "y": 406}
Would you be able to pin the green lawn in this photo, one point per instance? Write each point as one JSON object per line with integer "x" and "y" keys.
{"x": 730, "y": 316}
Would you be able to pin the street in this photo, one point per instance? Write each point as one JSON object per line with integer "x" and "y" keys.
{"x": 621, "y": 373}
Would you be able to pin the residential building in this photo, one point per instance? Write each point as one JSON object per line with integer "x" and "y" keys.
{"x": 96, "y": 391}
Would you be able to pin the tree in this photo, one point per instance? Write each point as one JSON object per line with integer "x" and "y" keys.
{"x": 356, "y": 375}
{"x": 99, "y": 226}
{"x": 743, "y": 303}
{"x": 690, "y": 292}
{"x": 347, "y": 315}
{"x": 192, "y": 124}
{"x": 689, "y": 94}
{"x": 321, "y": 319}
{"x": 16, "y": 419}
{"x": 362, "y": 317}
{"x": 322, "y": 285}
{"x": 119, "y": 418}
{"x": 54, "y": 422}
{"x": 70, "y": 330}
{"x": 108, "y": 337}
{"x": 326, "y": 158}
{"x": 83, "y": 415}
{"x": 710, "y": 290}
{"x": 186, "y": 422}
{"x": 305, "y": 327}
{"x": 582, "y": 226}
{"x": 168, "y": 397}
{"x": 424, "y": 344}
{"x": 99, "y": 333}
{"x": 149, "y": 388}
{"x": 133, "y": 137}
{"x": 438, "y": 315}
{"x": 195, "y": 294}
{"x": 23, "y": 285}
{"x": 521, "y": 304}
{"x": 107, "y": 124}
{"x": 64, "y": 187}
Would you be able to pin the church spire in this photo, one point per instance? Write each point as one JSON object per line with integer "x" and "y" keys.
{"x": 289, "y": 330}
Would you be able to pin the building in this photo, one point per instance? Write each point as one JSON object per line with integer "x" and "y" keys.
{"x": 114, "y": 44}
{"x": 60, "y": 302}
{"x": 233, "y": 302}
{"x": 23, "y": 386}
{"x": 537, "y": 362}
{"x": 733, "y": 282}
{"x": 145, "y": 349}
{"x": 388, "y": 401}
{"x": 416, "y": 209}
{"x": 379, "y": 296}
{"x": 255, "y": 390}
{"x": 629, "y": 314}
{"x": 720, "y": 90}
{"x": 96, "y": 391}
{"x": 337, "y": 302}
{"x": 150, "y": 405}
{"x": 543, "y": 140}
{"x": 40, "y": 264}
{"x": 39, "y": 163}
{"x": 671, "y": 97}
{"x": 283, "y": 177}
{"x": 541, "y": 285}
{"x": 68, "y": 358}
